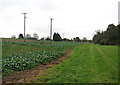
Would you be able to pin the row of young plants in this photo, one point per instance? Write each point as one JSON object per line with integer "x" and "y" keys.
{"x": 28, "y": 60}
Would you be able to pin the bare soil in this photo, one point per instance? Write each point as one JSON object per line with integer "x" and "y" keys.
{"x": 22, "y": 76}
{"x": 17, "y": 40}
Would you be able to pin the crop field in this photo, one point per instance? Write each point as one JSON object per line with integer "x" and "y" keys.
{"x": 86, "y": 63}
{"x": 19, "y": 56}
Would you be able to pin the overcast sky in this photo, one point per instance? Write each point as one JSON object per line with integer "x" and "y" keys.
{"x": 74, "y": 18}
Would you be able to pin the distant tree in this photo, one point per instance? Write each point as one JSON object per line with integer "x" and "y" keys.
{"x": 71, "y": 40}
{"x": 56, "y": 37}
{"x": 98, "y": 31}
{"x": 21, "y": 36}
{"x": 48, "y": 38}
{"x": 35, "y": 35}
{"x": 65, "y": 39}
{"x": 13, "y": 36}
{"x": 108, "y": 37}
{"x": 110, "y": 27}
{"x": 90, "y": 41}
{"x": 112, "y": 36}
{"x": 77, "y": 39}
{"x": 42, "y": 38}
{"x": 28, "y": 36}
{"x": 84, "y": 39}
{"x": 98, "y": 36}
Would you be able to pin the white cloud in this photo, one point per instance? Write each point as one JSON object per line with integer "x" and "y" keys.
{"x": 71, "y": 17}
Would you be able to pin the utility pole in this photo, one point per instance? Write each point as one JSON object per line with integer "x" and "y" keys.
{"x": 24, "y": 24}
{"x": 118, "y": 12}
{"x": 63, "y": 35}
{"x": 51, "y": 28}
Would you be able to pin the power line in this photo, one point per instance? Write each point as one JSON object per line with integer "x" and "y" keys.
{"x": 24, "y": 24}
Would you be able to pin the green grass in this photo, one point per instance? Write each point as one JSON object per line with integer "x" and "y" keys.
{"x": 11, "y": 47}
{"x": 87, "y": 64}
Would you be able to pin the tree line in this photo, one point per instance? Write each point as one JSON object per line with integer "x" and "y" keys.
{"x": 109, "y": 37}
{"x": 28, "y": 36}
{"x": 56, "y": 37}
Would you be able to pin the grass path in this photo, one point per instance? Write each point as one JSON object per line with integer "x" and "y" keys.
{"x": 86, "y": 64}
{"x": 107, "y": 59}
{"x": 94, "y": 75}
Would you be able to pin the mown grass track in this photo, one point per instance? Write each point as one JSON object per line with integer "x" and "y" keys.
{"x": 87, "y": 63}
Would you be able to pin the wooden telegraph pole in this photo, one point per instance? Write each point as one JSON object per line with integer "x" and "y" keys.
{"x": 51, "y": 28}
{"x": 24, "y": 24}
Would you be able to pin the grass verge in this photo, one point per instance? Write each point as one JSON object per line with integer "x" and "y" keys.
{"x": 87, "y": 64}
